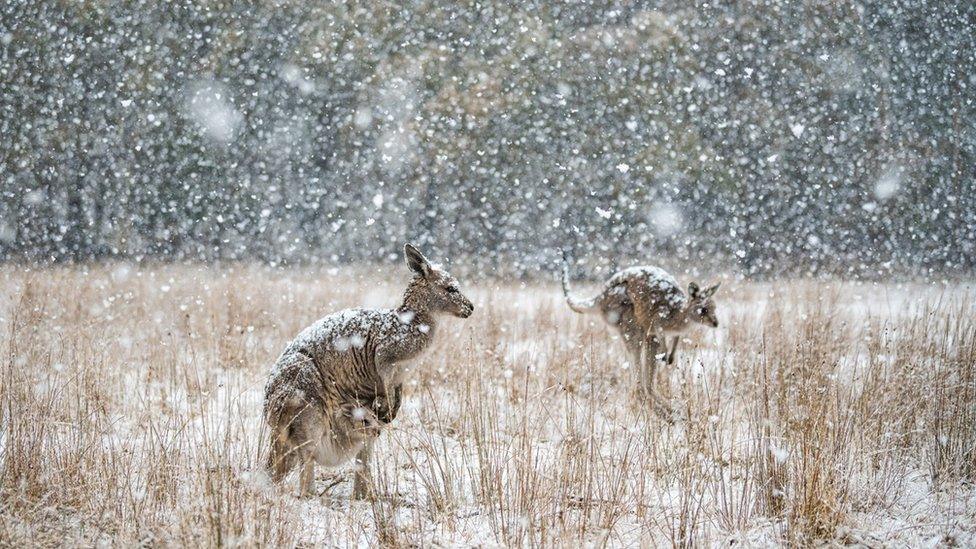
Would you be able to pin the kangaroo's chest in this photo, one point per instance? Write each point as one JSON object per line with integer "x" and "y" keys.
{"x": 396, "y": 370}
{"x": 402, "y": 351}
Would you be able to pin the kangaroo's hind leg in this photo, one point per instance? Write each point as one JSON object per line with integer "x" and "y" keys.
{"x": 636, "y": 340}
{"x": 281, "y": 458}
{"x": 307, "y": 430}
{"x": 650, "y": 346}
{"x": 283, "y": 453}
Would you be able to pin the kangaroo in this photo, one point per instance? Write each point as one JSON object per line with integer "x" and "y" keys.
{"x": 645, "y": 304}
{"x": 328, "y": 395}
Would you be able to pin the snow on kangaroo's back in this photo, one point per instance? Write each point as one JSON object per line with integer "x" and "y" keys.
{"x": 340, "y": 380}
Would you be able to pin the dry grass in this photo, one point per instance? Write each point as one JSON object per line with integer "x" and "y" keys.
{"x": 819, "y": 412}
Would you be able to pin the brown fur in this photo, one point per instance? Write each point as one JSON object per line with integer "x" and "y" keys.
{"x": 645, "y": 304}
{"x": 340, "y": 380}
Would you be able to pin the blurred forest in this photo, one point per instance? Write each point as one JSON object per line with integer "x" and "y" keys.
{"x": 766, "y": 137}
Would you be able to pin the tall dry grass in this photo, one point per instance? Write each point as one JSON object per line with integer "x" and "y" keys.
{"x": 820, "y": 412}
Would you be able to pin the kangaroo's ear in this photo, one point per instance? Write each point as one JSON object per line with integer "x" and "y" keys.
{"x": 416, "y": 260}
{"x": 693, "y": 290}
{"x": 710, "y": 291}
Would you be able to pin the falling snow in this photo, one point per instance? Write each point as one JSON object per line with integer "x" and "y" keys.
{"x": 493, "y": 135}
{"x": 754, "y": 141}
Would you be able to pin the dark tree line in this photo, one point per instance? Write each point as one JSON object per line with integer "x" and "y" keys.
{"x": 770, "y": 137}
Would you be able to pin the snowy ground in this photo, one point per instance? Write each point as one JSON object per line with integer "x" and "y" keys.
{"x": 818, "y": 411}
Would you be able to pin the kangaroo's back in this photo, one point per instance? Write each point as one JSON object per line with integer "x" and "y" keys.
{"x": 654, "y": 295}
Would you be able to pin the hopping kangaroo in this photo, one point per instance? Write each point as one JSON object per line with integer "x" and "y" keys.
{"x": 330, "y": 393}
{"x": 645, "y": 304}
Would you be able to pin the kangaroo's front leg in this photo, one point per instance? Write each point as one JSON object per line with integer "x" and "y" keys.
{"x": 386, "y": 406}
{"x": 669, "y": 350}
{"x": 646, "y": 364}
{"x": 397, "y": 398}
{"x": 361, "y": 482}
{"x": 674, "y": 349}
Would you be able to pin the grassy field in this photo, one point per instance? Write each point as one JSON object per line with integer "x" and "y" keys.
{"x": 130, "y": 413}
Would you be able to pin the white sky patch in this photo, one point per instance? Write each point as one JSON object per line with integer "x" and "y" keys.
{"x": 209, "y": 106}
{"x": 889, "y": 184}
{"x": 666, "y": 219}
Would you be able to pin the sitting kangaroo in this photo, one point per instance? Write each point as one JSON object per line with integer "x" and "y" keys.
{"x": 645, "y": 304}
{"x": 328, "y": 394}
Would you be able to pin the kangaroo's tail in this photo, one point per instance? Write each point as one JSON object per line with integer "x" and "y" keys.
{"x": 576, "y": 304}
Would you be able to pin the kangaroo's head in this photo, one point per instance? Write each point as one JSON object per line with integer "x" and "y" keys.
{"x": 435, "y": 286}
{"x": 701, "y": 306}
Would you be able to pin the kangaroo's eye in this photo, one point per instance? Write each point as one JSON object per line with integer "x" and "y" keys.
{"x": 452, "y": 290}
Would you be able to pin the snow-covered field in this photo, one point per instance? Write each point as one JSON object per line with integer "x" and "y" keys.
{"x": 130, "y": 412}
